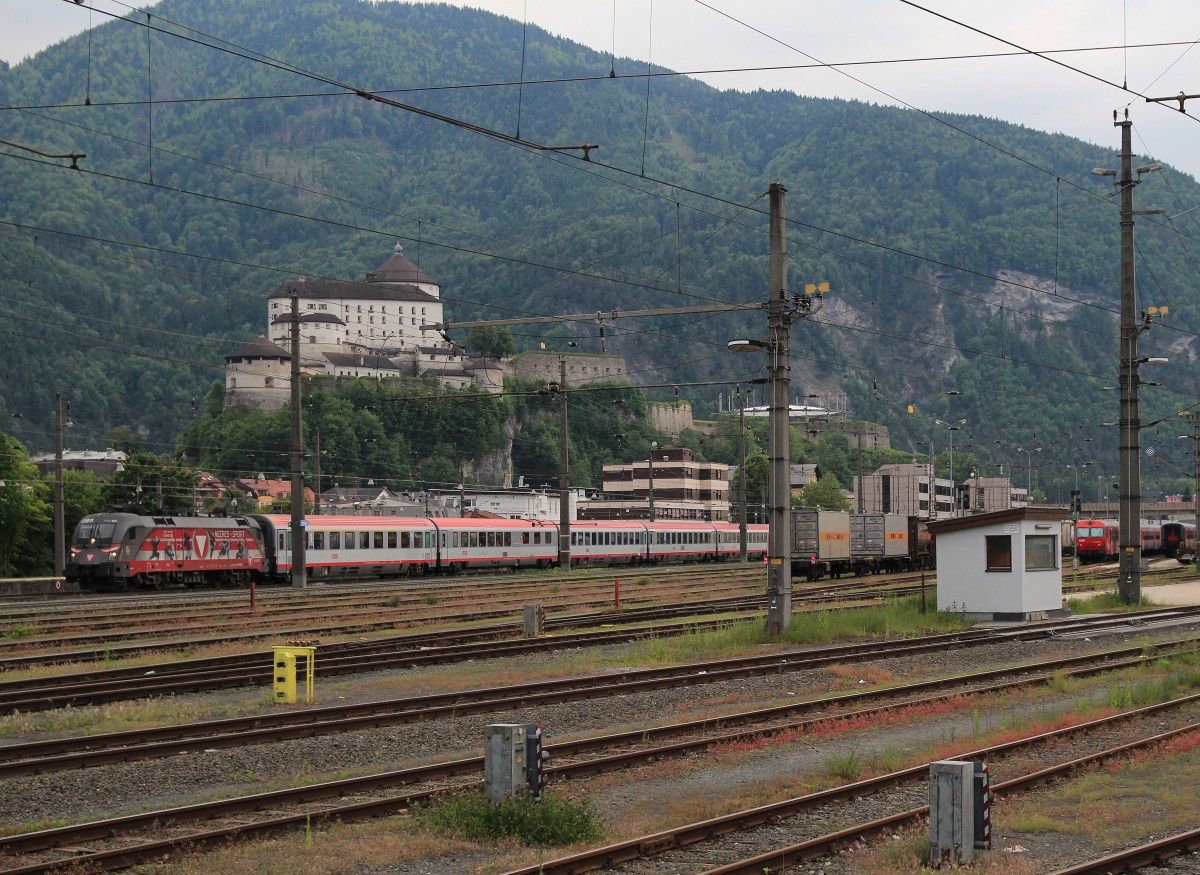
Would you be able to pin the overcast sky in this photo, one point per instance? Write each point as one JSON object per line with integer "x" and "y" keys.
{"x": 690, "y": 35}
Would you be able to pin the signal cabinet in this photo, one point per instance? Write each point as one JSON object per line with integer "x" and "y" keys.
{"x": 824, "y": 534}
{"x": 504, "y": 757}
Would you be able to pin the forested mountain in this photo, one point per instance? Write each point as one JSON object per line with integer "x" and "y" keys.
{"x": 964, "y": 254}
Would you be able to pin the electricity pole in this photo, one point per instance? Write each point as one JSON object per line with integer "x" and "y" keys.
{"x": 1129, "y": 575}
{"x": 564, "y": 471}
{"x": 298, "y": 531}
{"x": 741, "y": 496}
{"x": 60, "y": 528}
{"x": 779, "y": 559}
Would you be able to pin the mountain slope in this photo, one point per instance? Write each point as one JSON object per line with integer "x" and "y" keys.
{"x": 126, "y": 282}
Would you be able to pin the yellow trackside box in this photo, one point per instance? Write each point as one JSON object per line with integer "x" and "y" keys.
{"x": 288, "y": 662}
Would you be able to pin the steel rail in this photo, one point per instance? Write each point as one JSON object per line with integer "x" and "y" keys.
{"x": 1136, "y": 858}
{"x": 112, "y": 859}
{"x": 87, "y": 751}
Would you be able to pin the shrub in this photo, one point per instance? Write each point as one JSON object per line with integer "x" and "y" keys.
{"x": 554, "y": 822}
{"x": 20, "y": 630}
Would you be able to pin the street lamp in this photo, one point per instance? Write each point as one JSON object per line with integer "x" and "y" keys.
{"x": 952, "y": 427}
{"x": 931, "y": 495}
{"x": 1029, "y": 471}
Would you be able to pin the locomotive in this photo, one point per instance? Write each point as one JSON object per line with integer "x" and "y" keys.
{"x": 119, "y": 551}
{"x": 1099, "y": 540}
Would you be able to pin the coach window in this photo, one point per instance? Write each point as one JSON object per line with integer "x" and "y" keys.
{"x": 999, "y": 552}
{"x": 335, "y": 540}
{"x": 1041, "y": 552}
{"x": 404, "y": 540}
{"x": 524, "y": 537}
{"x": 318, "y": 540}
{"x": 349, "y": 539}
{"x": 378, "y": 539}
{"x": 391, "y": 540}
{"x": 508, "y": 539}
{"x": 491, "y": 539}
{"x": 474, "y": 536}
{"x": 364, "y": 540}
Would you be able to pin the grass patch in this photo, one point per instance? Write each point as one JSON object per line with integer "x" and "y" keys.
{"x": 556, "y": 821}
{"x": 1104, "y": 602}
{"x": 901, "y": 618}
{"x": 1150, "y": 792}
{"x": 20, "y": 630}
{"x": 845, "y": 767}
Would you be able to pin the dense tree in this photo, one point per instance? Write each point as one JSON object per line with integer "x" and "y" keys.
{"x": 824, "y": 493}
{"x": 492, "y": 341}
{"x": 25, "y": 510}
{"x": 150, "y": 484}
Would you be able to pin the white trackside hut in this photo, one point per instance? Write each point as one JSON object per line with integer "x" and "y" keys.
{"x": 1004, "y": 565}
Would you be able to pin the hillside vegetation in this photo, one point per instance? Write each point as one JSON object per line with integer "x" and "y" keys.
{"x": 966, "y": 255}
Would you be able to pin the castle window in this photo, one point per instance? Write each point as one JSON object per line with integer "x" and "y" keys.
{"x": 268, "y": 382}
{"x": 312, "y": 338}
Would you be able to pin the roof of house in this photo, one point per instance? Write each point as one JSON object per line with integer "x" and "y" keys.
{"x": 259, "y": 348}
{"x": 399, "y": 269}
{"x": 364, "y": 360}
{"x": 1009, "y": 515}
{"x": 308, "y": 317}
{"x": 337, "y": 290}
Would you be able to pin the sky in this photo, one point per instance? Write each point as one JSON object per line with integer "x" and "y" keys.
{"x": 1150, "y": 45}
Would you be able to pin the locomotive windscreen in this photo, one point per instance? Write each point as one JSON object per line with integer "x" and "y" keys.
{"x": 97, "y": 534}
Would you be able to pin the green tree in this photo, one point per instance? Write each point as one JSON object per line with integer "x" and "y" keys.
{"x": 822, "y": 494}
{"x": 151, "y": 484}
{"x": 25, "y": 509}
{"x": 757, "y": 474}
{"x": 492, "y": 341}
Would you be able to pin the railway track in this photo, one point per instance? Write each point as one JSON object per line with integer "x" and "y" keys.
{"x": 72, "y": 753}
{"x": 118, "y": 842}
{"x": 253, "y": 669}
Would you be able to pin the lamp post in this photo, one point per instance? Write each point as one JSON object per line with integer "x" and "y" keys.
{"x": 952, "y": 427}
{"x": 1029, "y": 471}
{"x": 931, "y": 500}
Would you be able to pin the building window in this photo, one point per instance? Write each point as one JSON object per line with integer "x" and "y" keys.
{"x": 999, "y": 553}
{"x": 1041, "y": 552}
{"x": 268, "y": 382}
